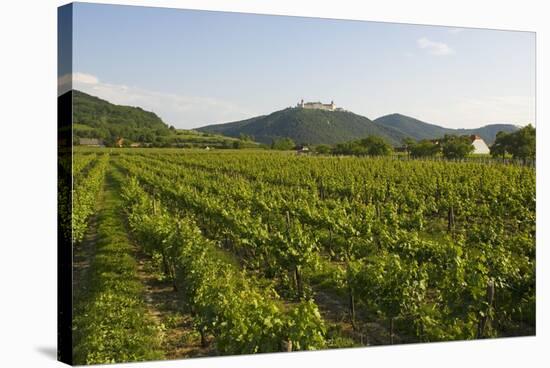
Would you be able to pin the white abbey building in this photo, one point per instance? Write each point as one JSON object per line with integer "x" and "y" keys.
{"x": 479, "y": 144}
{"x": 319, "y": 105}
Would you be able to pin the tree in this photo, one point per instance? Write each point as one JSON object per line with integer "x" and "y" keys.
{"x": 524, "y": 143}
{"x": 501, "y": 145}
{"x": 246, "y": 137}
{"x": 520, "y": 144}
{"x": 322, "y": 149}
{"x": 408, "y": 143}
{"x": 349, "y": 148}
{"x": 370, "y": 146}
{"x": 283, "y": 144}
{"x": 456, "y": 147}
{"x": 376, "y": 146}
{"x": 424, "y": 148}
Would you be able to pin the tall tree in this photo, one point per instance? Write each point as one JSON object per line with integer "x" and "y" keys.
{"x": 524, "y": 144}
{"x": 408, "y": 143}
{"x": 501, "y": 145}
{"x": 456, "y": 147}
{"x": 424, "y": 148}
{"x": 283, "y": 144}
{"x": 521, "y": 144}
{"x": 376, "y": 146}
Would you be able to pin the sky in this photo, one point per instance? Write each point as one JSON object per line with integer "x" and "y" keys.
{"x": 195, "y": 68}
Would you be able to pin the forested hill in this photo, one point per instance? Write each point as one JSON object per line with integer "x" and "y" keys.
{"x": 330, "y": 127}
{"x": 97, "y": 118}
{"x": 306, "y": 126}
{"x": 417, "y": 129}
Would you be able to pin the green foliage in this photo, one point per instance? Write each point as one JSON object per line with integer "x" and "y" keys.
{"x": 419, "y": 130}
{"x": 332, "y": 127}
{"x": 239, "y": 231}
{"x": 372, "y": 217}
{"x": 424, "y": 148}
{"x": 196, "y": 139}
{"x": 520, "y": 144}
{"x": 395, "y": 285}
{"x": 283, "y": 144}
{"x": 408, "y": 143}
{"x": 306, "y": 328}
{"x": 88, "y": 175}
{"x": 110, "y": 323}
{"x": 456, "y": 147}
{"x": 503, "y": 143}
{"x": 370, "y": 146}
{"x": 242, "y": 317}
{"x": 306, "y": 126}
{"x": 246, "y": 137}
{"x": 97, "y": 118}
{"x": 322, "y": 149}
{"x": 376, "y": 146}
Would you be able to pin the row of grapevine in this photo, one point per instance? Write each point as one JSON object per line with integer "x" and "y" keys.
{"x": 110, "y": 322}
{"x": 81, "y": 161}
{"x": 85, "y": 190}
{"x": 241, "y": 314}
{"x": 457, "y": 239}
{"x": 422, "y": 191}
{"x": 275, "y": 248}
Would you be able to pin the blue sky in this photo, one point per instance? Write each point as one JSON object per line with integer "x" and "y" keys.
{"x": 195, "y": 68}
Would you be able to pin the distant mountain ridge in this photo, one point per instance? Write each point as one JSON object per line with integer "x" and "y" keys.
{"x": 96, "y": 118}
{"x": 313, "y": 126}
{"x": 418, "y": 129}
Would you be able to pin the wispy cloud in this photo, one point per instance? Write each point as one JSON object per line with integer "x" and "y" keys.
{"x": 65, "y": 82}
{"x": 85, "y": 78}
{"x": 182, "y": 111}
{"x": 434, "y": 48}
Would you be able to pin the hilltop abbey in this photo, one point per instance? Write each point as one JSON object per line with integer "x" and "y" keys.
{"x": 318, "y": 105}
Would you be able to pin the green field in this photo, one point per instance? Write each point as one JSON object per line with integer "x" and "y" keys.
{"x": 182, "y": 253}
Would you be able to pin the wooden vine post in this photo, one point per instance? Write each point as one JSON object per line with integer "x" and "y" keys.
{"x": 485, "y": 318}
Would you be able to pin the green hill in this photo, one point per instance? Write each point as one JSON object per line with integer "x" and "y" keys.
{"x": 411, "y": 127}
{"x": 306, "y": 126}
{"x": 330, "y": 127}
{"x": 97, "y": 118}
{"x": 488, "y": 132}
{"x": 417, "y": 129}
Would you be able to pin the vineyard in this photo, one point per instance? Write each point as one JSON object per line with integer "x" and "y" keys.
{"x": 196, "y": 253}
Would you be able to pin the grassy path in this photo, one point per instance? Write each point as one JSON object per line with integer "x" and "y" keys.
{"x": 179, "y": 337}
{"x": 84, "y": 251}
{"x": 111, "y": 320}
